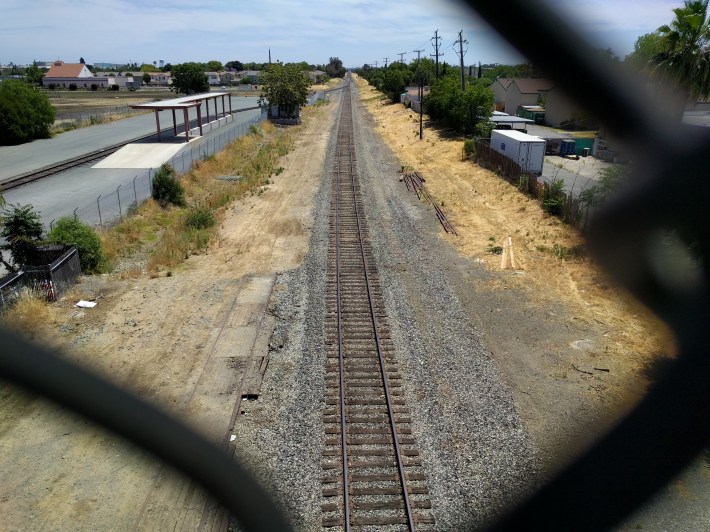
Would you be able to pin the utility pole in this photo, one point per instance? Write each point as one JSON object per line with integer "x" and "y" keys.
{"x": 376, "y": 62}
{"x": 421, "y": 92}
{"x": 461, "y": 42}
{"x": 401, "y": 57}
{"x": 385, "y": 60}
{"x": 436, "y": 54}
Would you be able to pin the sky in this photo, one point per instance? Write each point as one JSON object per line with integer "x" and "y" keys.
{"x": 356, "y": 31}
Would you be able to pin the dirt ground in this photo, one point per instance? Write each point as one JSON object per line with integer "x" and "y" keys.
{"x": 156, "y": 336}
{"x": 175, "y": 340}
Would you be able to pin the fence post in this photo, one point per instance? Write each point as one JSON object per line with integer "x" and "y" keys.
{"x": 51, "y": 224}
{"x": 150, "y": 180}
{"x": 101, "y": 223}
{"x": 118, "y": 194}
{"x": 135, "y": 194}
{"x": 75, "y": 212}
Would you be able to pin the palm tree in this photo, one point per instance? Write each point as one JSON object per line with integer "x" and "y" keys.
{"x": 683, "y": 48}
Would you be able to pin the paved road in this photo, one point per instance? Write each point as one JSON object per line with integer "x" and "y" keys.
{"x": 79, "y": 188}
{"x": 16, "y": 160}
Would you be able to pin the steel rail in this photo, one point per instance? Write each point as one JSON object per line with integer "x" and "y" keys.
{"x": 341, "y": 361}
{"x": 383, "y": 371}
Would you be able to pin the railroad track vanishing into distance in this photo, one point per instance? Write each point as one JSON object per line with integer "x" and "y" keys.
{"x": 372, "y": 472}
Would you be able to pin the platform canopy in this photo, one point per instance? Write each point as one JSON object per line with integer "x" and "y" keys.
{"x": 186, "y": 103}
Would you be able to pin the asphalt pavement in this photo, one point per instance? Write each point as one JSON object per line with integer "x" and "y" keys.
{"x": 100, "y": 195}
{"x": 17, "y": 160}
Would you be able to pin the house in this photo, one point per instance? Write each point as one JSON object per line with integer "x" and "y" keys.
{"x": 124, "y": 81}
{"x": 561, "y": 111}
{"x": 228, "y": 77}
{"x": 252, "y": 75}
{"x": 410, "y": 98}
{"x": 317, "y": 76}
{"x": 63, "y": 75}
{"x": 160, "y": 79}
{"x": 525, "y": 91}
{"x": 213, "y": 78}
{"x": 499, "y": 88}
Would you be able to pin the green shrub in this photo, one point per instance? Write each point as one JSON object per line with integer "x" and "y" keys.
{"x": 25, "y": 113}
{"x": 74, "y": 232}
{"x": 22, "y": 231}
{"x": 166, "y": 189}
{"x": 553, "y": 198}
{"x": 114, "y": 87}
{"x": 94, "y": 87}
{"x": 469, "y": 148}
{"x": 72, "y": 86}
{"x": 200, "y": 218}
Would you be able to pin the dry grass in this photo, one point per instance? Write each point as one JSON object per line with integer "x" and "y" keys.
{"x": 161, "y": 234}
{"x": 26, "y": 313}
{"x": 485, "y": 210}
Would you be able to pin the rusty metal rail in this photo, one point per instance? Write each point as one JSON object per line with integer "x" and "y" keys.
{"x": 372, "y": 470}
{"x": 415, "y": 183}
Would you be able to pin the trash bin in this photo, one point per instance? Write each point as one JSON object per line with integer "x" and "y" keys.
{"x": 585, "y": 152}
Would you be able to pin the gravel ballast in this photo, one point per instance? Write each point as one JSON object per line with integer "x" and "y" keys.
{"x": 474, "y": 450}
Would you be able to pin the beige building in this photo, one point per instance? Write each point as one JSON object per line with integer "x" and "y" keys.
{"x": 62, "y": 75}
{"x": 525, "y": 91}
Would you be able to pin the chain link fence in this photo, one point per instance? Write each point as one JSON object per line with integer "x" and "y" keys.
{"x": 110, "y": 207}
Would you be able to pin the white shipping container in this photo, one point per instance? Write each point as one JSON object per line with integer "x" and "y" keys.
{"x": 526, "y": 150}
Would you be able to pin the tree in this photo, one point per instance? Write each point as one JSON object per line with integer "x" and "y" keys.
{"x": 460, "y": 110}
{"x": 25, "y": 113}
{"x": 146, "y": 67}
{"x": 146, "y": 78}
{"x": 81, "y": 60}
{"x": 214, "y": 66}
{"x": 34, "y": 75}
{"x": 22, "y": 231}
{"x": 236, "y": 65}
{"x": 679, "y": 52}
{"x": 285, "y": 86}
{"x": 395, "y": 79}
{"x": 73, "y": 232}
{"x": 167, "y": 67}
{"x": 189, "y": 78}
{"x": 335, "y": 68}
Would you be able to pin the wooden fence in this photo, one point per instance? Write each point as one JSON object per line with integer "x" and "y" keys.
{"x": 572, "y": 211}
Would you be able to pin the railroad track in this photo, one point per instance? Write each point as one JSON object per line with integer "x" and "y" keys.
{"x": 47, "y": 171}
{"x": 372, "y": 472}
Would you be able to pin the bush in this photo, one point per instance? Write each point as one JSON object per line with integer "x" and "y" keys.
{"x": 72, "y": 86}
{"x": 553, "y": 198}
{"x": 94, "y": 87}
{"x": 469, "y": 148}
{"x": 166, "y": 189}
{"x": 25, "y": 113}
{"x": 22, "y": 231}
{"x": 200, "y": 218}
{"x": 73, "y": 232}
{"x": 114, "y": 87}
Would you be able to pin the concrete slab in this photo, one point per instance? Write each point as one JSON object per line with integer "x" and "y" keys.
{"x": 141, "y": 155}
